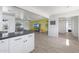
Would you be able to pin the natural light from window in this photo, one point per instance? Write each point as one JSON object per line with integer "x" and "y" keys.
{"x": 67, "y": 42}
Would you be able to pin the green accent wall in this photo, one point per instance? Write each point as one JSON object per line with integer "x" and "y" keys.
{"x": 43, "y": 24}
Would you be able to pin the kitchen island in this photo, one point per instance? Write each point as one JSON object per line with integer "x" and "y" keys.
{"x": 18, "y": 42}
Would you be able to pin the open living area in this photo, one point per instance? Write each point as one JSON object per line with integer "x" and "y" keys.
{"x": 39, "y": 29}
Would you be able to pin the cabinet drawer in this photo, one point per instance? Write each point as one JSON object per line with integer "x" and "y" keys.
{"x": 27, "y": 37}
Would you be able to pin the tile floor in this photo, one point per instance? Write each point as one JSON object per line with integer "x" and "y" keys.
{"x": 65, "y": 43}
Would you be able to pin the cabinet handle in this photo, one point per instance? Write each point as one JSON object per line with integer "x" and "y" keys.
{"x": 25, "y": 41}
{"x": 17, "y": 39}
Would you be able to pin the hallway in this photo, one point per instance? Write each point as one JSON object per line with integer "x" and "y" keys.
{"x": 45, "y": 44}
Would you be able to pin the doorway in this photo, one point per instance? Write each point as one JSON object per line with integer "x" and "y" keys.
{"x": 68, "y": 28}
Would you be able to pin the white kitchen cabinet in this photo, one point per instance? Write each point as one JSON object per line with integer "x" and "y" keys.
{"x": 9, "y": 20}
{"x": 16, "y": 44}
{"x": 28, "y": 42}
{"x": 21, "y": 44}
{"x": 4, "y": 46}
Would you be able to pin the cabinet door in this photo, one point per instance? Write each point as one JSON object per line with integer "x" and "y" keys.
{"x": 10, "y": 22}
{"x": 29, "y": 43}
{"x": 4, "y": 46}
{"x": 16, "y": 45}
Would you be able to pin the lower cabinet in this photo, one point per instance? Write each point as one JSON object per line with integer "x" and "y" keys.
{"x": 28, "y": 43}
{"x": 20, "y": 44}
{"x": 4, "y": 46}
{"x": 16, "y": 45}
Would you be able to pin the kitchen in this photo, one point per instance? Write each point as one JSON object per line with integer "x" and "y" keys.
{"x": 14, "y": 36}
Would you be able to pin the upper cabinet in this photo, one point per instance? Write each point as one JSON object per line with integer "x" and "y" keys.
{"x": 8, "y": 22}
{"x": 15, "y": 14}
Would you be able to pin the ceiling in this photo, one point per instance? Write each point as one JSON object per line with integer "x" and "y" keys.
{"x": 46, "y": 11}
{"x": 21, "y": 13}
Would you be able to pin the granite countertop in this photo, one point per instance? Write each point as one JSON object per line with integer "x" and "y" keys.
{"x": 10, "y": 35}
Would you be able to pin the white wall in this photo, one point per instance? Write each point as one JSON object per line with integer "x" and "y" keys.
{"x": 26, "y": 25}
{"x": 68, "y": 24}
{"x": 53, "y": 29}
{"x": 75, "y": 26}
{"x": 62, "y": 25}
{"x": 78, "y": 27}
{"x": 75, "y": 23}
